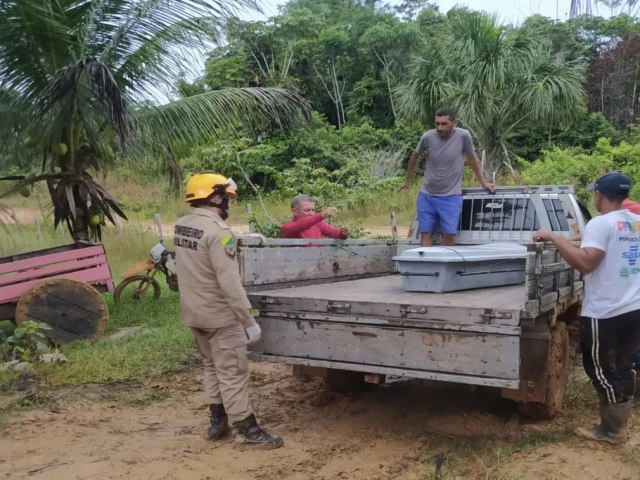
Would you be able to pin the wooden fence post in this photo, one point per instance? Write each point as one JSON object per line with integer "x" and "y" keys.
{"x": 38, "y": 230}
{"x": 249, "y": 209}
{"x": 394, "y": 225}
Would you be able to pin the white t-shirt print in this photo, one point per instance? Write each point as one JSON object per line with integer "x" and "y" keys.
{"x": 614, "y": 287}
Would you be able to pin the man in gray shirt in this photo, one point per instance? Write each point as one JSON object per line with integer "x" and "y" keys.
{"x": 440, "y": 198}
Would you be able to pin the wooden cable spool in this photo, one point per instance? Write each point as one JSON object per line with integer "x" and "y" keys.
{"x": 74, "y": 310}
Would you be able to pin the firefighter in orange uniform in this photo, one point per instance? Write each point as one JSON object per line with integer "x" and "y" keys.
{"x": 215, "y": 307}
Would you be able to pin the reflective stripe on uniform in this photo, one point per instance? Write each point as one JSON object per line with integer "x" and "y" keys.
{"x": 595, "y": 347}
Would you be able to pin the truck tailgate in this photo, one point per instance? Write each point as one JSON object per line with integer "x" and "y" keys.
{"x": 373, "y": 325}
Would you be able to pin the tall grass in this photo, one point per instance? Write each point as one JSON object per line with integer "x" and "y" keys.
{"x": 142, "y": 197}
{"x": 124, "y": 246}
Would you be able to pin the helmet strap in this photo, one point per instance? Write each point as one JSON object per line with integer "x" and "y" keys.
{"x": 222, "y": 206}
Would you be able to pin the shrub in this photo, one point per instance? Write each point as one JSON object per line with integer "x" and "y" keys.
{"x": 576, "y": 167}
{"x": 26, "y": 342}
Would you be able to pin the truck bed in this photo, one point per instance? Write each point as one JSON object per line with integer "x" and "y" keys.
{"x": 383, "y": 296}
{"x": 388, "y": 289}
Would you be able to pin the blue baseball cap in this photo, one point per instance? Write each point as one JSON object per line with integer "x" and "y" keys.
{"x": 614, "y": 185}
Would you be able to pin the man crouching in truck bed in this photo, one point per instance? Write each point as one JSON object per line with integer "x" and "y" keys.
{"x": 306, "y": 223}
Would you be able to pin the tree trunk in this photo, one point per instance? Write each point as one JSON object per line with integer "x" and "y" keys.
{"x": 335, "y": 92}
{"x": 387, "y": 73}
{"x": 80, "y": 227}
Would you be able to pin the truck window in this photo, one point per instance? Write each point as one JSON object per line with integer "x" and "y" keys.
{"x": 557, "y": 215}
{"x": 585, "y": 211}
{"x": 498, "y": 213}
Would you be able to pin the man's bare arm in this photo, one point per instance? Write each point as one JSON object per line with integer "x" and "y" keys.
{"x": 584, "y": 259}
{"x": 411, "y": 171}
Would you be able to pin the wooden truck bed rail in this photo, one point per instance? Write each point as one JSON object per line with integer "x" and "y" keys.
{"x": 272, "y": 263}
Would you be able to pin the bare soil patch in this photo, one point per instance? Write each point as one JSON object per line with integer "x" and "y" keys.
{"x": 406, "y": 429}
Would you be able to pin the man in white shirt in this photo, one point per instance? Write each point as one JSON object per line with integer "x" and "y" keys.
{"x": 609, "y": 256}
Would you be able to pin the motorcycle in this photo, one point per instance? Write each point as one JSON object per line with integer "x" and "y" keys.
{"x": 139, "y": 281}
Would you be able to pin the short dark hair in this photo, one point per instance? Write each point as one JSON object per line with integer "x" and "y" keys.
{"x": 446, "y": 112}
{"x": 298, "y": 199}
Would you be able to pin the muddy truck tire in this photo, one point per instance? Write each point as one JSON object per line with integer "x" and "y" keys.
{"x": 554, "y": 377}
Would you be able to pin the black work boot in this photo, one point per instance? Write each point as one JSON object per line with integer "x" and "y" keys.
{"x": 250, "y": 434}
{"x": 636, "y": 397}
{"x": 613, "y": 423}
{"x": 219, "y": 425}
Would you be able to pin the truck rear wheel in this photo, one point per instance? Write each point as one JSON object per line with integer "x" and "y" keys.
{"x": 557, "y": 374}
{"x": 344, "y": 381}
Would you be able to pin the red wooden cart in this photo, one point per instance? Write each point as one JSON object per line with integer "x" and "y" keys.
{"x": 59, "y": 286}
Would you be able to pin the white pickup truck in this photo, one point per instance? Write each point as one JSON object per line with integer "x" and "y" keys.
{"x": 340, "y": 311}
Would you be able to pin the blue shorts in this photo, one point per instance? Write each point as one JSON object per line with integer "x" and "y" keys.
{"x": 442, "y": 212}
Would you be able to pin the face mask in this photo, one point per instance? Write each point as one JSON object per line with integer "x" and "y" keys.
{"x": 222, "y": 206}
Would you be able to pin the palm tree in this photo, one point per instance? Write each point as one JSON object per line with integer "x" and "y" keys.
{"x": 74, "y": 76}
{"x": 499, "y": 80}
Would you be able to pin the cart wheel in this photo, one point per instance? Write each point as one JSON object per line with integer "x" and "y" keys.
{"x": 135, "y": 288}
{"x": 344, "y": 381}
{"x": 73, "y": 310}
{"x": 557, "y": 371}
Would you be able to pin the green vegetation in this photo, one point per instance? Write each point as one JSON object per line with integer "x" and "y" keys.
{"x": 499, "y": 80}
{"x": 520, "y": 90}
{"x": 577, "y": 167}
{"x": 75, "y": 75}
{"x": 24, "y": 343}
{"x": 373, "y": 73}
{"x": 162, "y": 345}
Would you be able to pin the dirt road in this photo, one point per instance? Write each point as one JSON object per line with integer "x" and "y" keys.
{"x": 403, "y": 430}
